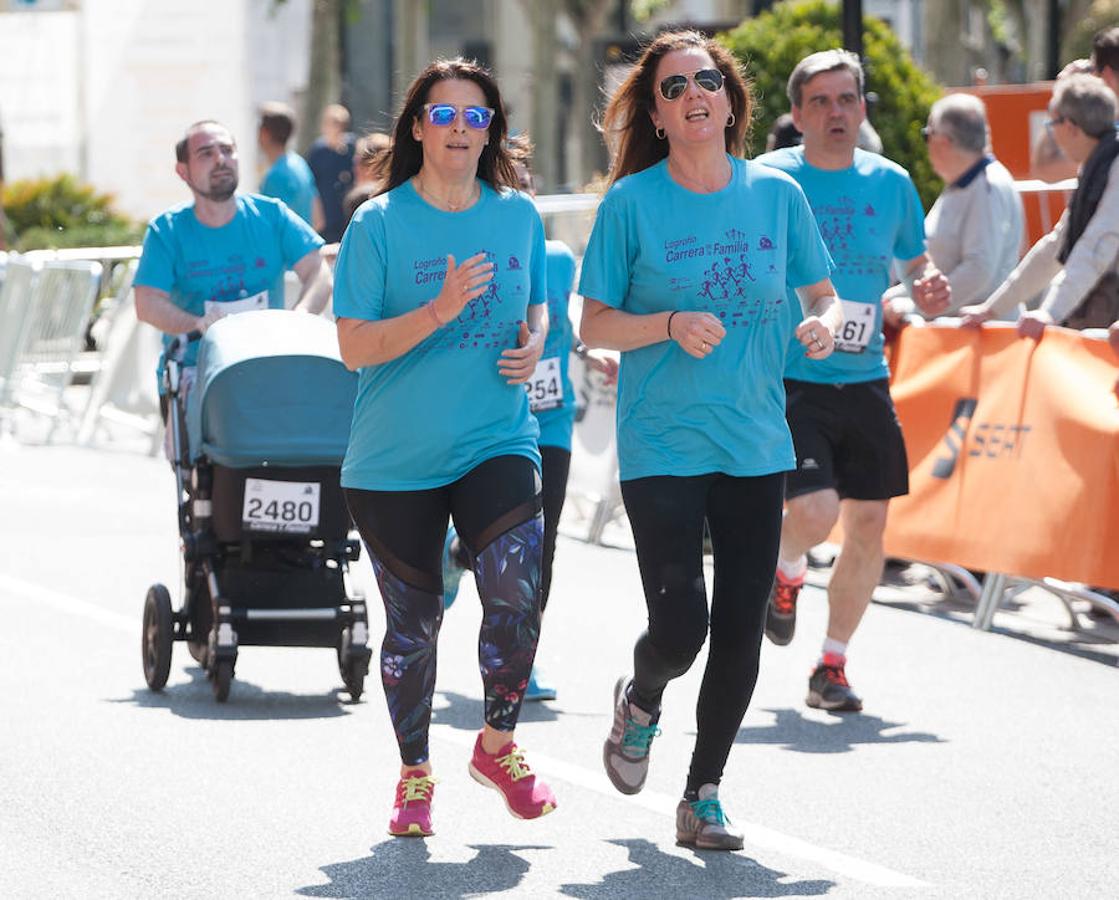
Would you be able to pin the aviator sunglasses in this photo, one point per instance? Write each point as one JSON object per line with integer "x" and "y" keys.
{"x": 672, "y": 87}
{"x": 444, "y": 114}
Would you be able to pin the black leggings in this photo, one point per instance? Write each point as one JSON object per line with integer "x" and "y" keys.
{"x": 557, "y": 464}
{"x": 496, "y": 511}
{"x": 667, "y": 516}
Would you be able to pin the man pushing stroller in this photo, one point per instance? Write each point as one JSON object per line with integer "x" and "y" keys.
{"x": 224, "y": 252}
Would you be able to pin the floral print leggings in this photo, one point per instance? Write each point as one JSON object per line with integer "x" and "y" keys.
{"x": 496, "y": 511}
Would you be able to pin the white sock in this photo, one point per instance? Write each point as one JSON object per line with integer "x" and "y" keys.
{"x": 795, "y": 570}
{"x": 834, "y": 647}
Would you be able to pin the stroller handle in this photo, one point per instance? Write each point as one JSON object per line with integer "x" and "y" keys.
{"x": 180, "y": 343}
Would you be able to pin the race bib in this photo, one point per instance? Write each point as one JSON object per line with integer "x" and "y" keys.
{"x": 858, "y": 327}
{"x": 280, "y": 506}
{"x": 245, "y": 304}
{"x": 544, "y": 389}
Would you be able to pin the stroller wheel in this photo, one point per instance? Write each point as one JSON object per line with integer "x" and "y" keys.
{"x": 222, "y": 676}
{"x": 198, "y": 651}
{"x": 158, "y": 633}
{"x": 353, "y": 666}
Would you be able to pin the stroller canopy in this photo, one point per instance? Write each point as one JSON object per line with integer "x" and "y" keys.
{"x": 270, "y": 389}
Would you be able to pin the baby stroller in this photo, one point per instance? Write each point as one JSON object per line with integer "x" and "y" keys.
{"x": 263, "y": 521}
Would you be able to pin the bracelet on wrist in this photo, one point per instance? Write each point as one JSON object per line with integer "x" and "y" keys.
{"x": 669, "y": 326}
{"x": 439, "y": 323}
{"x": 581, "y": 350}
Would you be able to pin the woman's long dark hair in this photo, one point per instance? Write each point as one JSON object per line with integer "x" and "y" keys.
{"x": 404, "y": 157}
{"x": 627, "y": 125}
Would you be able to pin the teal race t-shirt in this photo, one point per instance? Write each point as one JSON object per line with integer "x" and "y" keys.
{"x": 551, "y": 393}
{"x": 425, "y": 419}
{"x": 656, "y": 247}
{"x": 240, "y": 265}
{"x": 289, "y": 179}
{"x": 869, "y": 215}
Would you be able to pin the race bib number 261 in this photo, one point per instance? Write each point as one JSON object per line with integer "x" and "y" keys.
{"x": 858, "y": 327}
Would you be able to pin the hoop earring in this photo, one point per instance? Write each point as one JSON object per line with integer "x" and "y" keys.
{"x": 731, "y": 121}
{"x": 660, "y": 134}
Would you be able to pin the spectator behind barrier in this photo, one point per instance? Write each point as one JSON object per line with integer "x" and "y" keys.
{"x": 367, "y": 153}
{"x": 331, "y": 159}
{"x": 1047, "y": 162}
{"x": 1075, "y": 263}
{"x": 288, "y": 177}
{"x": 975, "y": 228}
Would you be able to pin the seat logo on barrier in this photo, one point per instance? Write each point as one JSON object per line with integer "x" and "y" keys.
{"x": 989, "y": 440}
{"x": 954, "y": 439}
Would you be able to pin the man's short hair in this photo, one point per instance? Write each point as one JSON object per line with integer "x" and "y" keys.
{"x": 1087, "y": 102}
{"x": 962, "y": 118}
{"x": 1105, "y": 49}
{"x": 818, "y": 63}
{"x": 182, "y": 146}
{"x": 278, "y": 120}
{"x": 339, "y": 115}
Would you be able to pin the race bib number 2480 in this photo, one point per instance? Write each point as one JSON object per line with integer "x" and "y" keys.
{"x": 281, "y": 506}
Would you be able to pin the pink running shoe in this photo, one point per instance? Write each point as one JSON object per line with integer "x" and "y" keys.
{"x": 411, "y": 812}
{"x": 526, "y": 796}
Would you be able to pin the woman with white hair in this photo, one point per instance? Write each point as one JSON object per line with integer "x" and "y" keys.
{"x": 1075, "y": 263}
{"x": 975, "y": 229}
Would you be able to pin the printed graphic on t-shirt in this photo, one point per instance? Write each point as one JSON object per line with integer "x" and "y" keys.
{"x": 843, "y": 226}
{"x": 480, "y": 324}
{"x": 729, "y": 285}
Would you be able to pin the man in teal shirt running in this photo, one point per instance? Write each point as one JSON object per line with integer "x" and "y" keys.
{"x": 850, "y": 454}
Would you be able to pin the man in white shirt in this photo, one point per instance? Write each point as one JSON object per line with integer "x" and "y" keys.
{"x": 976, "y": 227}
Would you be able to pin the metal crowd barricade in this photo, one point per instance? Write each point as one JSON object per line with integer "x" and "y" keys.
{"x": 53, "y": 334}
{"x": 123, "y": 390}
{"x": 1000, "y": 588}
{"x": 15, "y": 304}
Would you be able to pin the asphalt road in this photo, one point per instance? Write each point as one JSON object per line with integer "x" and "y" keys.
{"x": 984, "y": 765}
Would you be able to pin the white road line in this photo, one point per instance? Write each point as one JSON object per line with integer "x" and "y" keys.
{"x": 26, "y": 590}
{"x": 592, "y": 780}
{"x": 756, "y": 835}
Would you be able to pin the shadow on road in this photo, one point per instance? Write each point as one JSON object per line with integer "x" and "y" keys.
{"x": 838, "y": 735}
{"x": 401, "y": 868}
{"x": 717, "y": 875}
{"x": 246, "y": 701}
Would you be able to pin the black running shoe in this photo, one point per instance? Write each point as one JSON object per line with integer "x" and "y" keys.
{"x": 781, "y": 613}
{"x": 828, "y": 689}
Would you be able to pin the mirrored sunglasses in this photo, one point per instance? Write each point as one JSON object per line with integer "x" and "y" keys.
{"x": 673, "y": 86}
{"x": 444, "y": 114}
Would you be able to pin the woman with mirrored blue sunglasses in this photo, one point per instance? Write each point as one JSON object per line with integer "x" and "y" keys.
{"x": 441, "y": 304}
{"x": 685, "y": 273}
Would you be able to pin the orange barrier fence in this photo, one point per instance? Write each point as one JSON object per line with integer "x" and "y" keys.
{"x": 1013, "y": 453}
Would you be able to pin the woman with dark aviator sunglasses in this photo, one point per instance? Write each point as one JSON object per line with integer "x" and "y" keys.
{"x": 686, "y": 274}
{"x": 441, "y": 424}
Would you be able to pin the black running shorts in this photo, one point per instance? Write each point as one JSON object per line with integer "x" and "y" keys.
{"x": 847, "y": 437}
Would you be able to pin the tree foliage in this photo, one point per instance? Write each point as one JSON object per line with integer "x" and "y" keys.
{"x": 1078, "y": 42}
{"x": 63, "y": 212}
{"x": 771, "y": 44}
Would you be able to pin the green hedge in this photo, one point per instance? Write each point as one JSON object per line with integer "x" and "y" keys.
{"x": 48, "y": 213}
{"x": 770, "y": 46}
